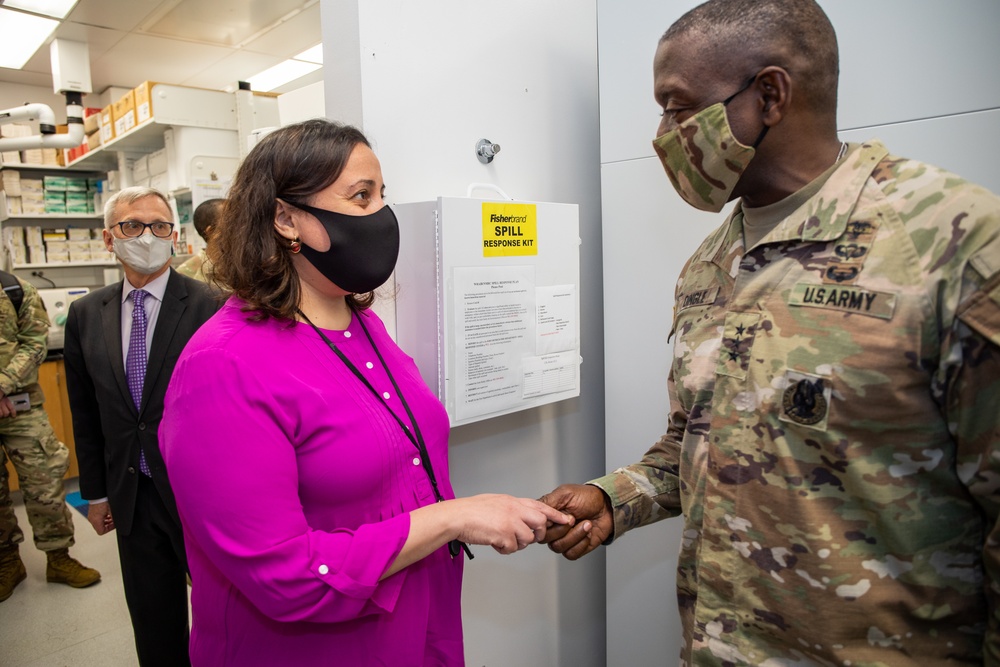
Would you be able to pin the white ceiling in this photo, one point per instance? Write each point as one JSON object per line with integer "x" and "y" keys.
{"x": 202, "y": 43}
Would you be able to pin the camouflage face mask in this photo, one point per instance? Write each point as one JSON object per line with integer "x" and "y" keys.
{"x": 703, "y": 159}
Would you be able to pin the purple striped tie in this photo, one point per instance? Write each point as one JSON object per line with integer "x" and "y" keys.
{"x": 135, "y": 360}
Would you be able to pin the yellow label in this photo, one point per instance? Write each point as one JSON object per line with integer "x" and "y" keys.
{"x": 509, "y": 229}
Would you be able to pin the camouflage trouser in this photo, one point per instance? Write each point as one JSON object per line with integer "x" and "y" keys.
{"x": 40, "y": 461}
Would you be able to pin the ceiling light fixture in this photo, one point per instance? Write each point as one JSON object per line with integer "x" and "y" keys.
{"x": 281, "y": 74}
{"x": 23, "y": 34}
{"x": 54, "y": 8}
{"x": 313, "y": 55}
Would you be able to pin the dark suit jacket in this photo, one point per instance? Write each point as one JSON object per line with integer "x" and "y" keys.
{"x": 108, "y": 429}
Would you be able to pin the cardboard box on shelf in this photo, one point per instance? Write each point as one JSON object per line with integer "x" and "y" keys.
{"x": 123, "y": 113}
{"x": 140, "y": 169}
{"x": 32, "y": 156}
{"x": 107, "y": 124}
{"x": 14, "y": 206}
{"x": 93, "y": 141}
{"x": 53, "y": 183}
{"x": 36, "y": 254}
{"x": 32, "y": 185}
{"x": 91, "y": 120}
{"x": 78, "y": 234}
{"x": 10, "y": 182}
{"x": 157, "y": 162}
{"x": 143, "y": 101}
{"x": 160, "y": 182}
{"x": 56, "y": 257}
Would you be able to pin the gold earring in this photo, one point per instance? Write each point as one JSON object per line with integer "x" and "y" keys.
{"x": 295, "y": 246}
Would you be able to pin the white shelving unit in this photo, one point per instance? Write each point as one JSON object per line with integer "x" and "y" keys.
{"x": 68, "y": 273}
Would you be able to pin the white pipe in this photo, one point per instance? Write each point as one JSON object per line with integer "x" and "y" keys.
{"x": 30, "y": 112}
{"x": 45, "y": 117}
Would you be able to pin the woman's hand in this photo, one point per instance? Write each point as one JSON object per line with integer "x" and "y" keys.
{"x": 506, "y": 523}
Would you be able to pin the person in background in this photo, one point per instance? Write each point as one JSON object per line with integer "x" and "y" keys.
{"x": 205, "y": 217}
{"x": 833, "y": 437}
{"x": 308, "y": 457}
{"x": 122, "y": 342}
{"x": 27, "y": 440}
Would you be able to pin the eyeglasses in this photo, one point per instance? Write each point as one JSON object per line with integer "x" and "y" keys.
{"x": 134, "y": 228}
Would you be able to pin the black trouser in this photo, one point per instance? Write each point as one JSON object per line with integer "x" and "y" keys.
{"x": 154, "y": 570}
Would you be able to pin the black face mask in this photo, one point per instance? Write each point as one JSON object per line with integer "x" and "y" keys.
{"x": 363, "y": 248}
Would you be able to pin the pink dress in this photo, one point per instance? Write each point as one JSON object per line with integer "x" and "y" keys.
{"x": 294, "y": 485}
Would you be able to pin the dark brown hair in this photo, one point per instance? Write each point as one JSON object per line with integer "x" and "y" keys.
{"x": 292, "y": 163}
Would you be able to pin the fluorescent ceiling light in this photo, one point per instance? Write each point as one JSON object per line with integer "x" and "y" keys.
{"x": 281, "y": 74}
{"x": 23, "y": 34}
{"x": 313, "y": 55}
{"x": 56, "y": 8}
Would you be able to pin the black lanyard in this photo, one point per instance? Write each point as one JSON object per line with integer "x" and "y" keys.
{"x": 413, "y": 435}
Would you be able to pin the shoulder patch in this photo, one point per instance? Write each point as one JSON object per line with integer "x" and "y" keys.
{"x": 806, "y": 400}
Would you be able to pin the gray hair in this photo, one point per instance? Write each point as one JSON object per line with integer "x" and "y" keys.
{"x": 128, "y": 196}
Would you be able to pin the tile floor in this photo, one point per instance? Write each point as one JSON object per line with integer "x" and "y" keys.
{"x": 53, "y": 625}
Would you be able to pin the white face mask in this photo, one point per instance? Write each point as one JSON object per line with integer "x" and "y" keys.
{"x": 146, "y": 254}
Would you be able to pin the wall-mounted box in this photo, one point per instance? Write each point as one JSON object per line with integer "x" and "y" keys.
{"x": 488, "y": 302}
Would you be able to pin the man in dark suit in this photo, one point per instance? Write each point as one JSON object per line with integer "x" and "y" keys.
{"x": 122, "y": 342}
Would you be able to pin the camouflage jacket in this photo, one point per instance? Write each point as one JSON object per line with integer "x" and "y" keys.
{"x": 23, "y": 344}
{"x": 197, "y": 266}
{"x": 834, "y": 433}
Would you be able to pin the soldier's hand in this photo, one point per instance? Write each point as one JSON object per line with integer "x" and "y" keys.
{"x": 99, "y": 516}
{"x": 6, "y": 408}
{"x": 594, "y": 520}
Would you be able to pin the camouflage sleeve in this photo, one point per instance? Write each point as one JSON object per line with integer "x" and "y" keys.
{"x": 648, "y": 491}
{"x": 971, "y": 409}
{"x": 32, "y": 331}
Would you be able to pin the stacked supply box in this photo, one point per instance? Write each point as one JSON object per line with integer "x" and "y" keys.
{"x": 56, "y": 246}
{"x": 92, "y": 127}
{"x": 143, "y": 101}
{"x": 10, "y": 183}
{"x": 13, "y": 130}
{"x": 55, "y": 194}
{"x": 13, "y": 242}
{"x": 33, "y": 242}
{"x": 123, "y": 113}
{"x": 32, "y": 196}
{"x": 106, "y": 124}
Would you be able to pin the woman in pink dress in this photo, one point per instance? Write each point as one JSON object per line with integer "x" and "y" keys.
{"x": 308, "y": 458}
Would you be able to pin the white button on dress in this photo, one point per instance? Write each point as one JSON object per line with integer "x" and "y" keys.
{"x": 416, "y": 462}
{"x": 347, "y": 334}
{"x": 323, "y": 569}
{"x": 369, "y": 365}
{"x": 385, "y": 395}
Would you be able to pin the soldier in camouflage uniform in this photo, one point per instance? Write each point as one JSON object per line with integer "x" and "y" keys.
{"x": 833, "y": 438}
{"x": 205, "y": 217}
{"x": 26, "y": 438}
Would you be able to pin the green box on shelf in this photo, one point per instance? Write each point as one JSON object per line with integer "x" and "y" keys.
{"x": 76, "y": 184}
{"x": 55, "y": 207}
{"x": 54, "y": 183}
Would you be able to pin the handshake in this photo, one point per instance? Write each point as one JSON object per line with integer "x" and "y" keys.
{"x": 573, "y": 520}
